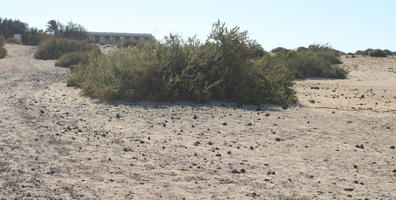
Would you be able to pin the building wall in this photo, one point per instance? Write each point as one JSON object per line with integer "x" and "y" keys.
{"x": 116, "y": 38}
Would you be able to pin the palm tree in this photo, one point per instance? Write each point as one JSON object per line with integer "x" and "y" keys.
{"x": 53, "y": 26}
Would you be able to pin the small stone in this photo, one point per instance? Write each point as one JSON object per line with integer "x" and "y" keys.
{"x": 360, "y": 146}
{"x": 235, "y": 171}
{"x": 210, "y": 143}
{"x": 195, "y": 117}
{"x": 249, "y": 124}
{"x": 315, "y": 88}
{"x": 349, "y": 122}
{"x": 118, "y": 116}
{"x": 312, "y": 101}
{"x": 349, "y": 189}
{"x": 251, "y": 148}
{"x": 392, "y": 147}
{"x": 267, "y": 114}
{"x": 197, "y": 143}
{"x": 243, "y": 171}
{"x": 224, "y": 123}
{"x": 271, "y": 172}
{"x": 284, "y": 107}
{"x": 229, "y": 152}
{"x": 218, "y": 155}
{"x": 278, "y": 139}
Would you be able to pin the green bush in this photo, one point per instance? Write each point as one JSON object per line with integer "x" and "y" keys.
{"x": 73, "y": 58}
{"x": 53, "y": 48}
{"x": 2, "y": 40}
{"x": 220, "y": 69}
{"x": 377, "y": 53}
{"x": 278, "y": 49}
{"x": 387, "y": 52}
{"x": 315, "y": 61}
{"x": 3, "y": 52}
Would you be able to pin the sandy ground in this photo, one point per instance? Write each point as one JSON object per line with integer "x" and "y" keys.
{"x": 338, "y": 143}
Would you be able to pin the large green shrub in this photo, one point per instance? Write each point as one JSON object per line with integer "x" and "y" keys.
{"x": 222, "y": 68}
{"x": 53, "y": 48}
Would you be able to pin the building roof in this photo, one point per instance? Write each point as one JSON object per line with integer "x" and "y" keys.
{"x": 120, "y": 34}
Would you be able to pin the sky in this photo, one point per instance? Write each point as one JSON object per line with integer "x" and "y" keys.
{"x": 346, "y": 25}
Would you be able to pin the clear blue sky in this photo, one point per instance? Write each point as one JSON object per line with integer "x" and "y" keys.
{"x": 347, "y": 25}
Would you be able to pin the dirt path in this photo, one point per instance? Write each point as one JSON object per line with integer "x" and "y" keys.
{"x": 337, "y": 144}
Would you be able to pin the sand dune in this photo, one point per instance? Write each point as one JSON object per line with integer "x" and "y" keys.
{"x": 338, "y": 142}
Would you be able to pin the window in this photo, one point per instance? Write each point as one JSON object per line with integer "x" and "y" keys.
{"x": 117, "y": 38}
{"x": 137, "y": 38}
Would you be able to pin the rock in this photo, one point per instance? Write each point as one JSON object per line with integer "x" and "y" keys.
{"x": 279, "y": 139}
{"x": 360, "y": 146}
{"x": 229, "y": 152}
{"x": 267, "y": 114}
{"x": 392, "y": 147}
{"x": 197, "y": 143}
{"x": 243, "y": 171}
{"x": 42, "y": 112}
{"x": 218, "y": 155}
{"x": 349, "y": 189}
{"x": 235, "y": 171}
{"x": 355, "y": 166}
{"x": 271, "y": 172}
{"x": 118, "y": 116}
{"x": 284, "y": 107}
{"x": 315, "y": 88}
{"x": 210, "y": 143}
{"x": 349, "y": 122}
{"x": 224, "y": 123}
{"x": 251, "y": 148}
{"x": 312, "y": 101}
{"x": 249, "y": 124}
{"x": 195, "y": 117}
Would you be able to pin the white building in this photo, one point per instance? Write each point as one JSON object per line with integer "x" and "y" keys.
{"x": 110, "y": 37}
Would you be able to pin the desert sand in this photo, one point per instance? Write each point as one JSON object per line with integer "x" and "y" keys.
{"x": 338, "y": 142}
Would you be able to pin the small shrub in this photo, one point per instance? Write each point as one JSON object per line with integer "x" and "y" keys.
{"x": 3, "y": 52}
{"x": 128, "y": 43}
{"x": 377, "y": 53}
{"x": 2, "y": 40}
{"x": 55, "y": 47}
{"x": 387, "y": 52}
{"x": 278, "y": 49}
{"x": 316, "y": 61}
{"x": 73, "y": 58}
{"x": 12, "y": 40}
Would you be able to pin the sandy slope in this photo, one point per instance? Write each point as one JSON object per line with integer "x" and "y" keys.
{"x": 56, "y": 144}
